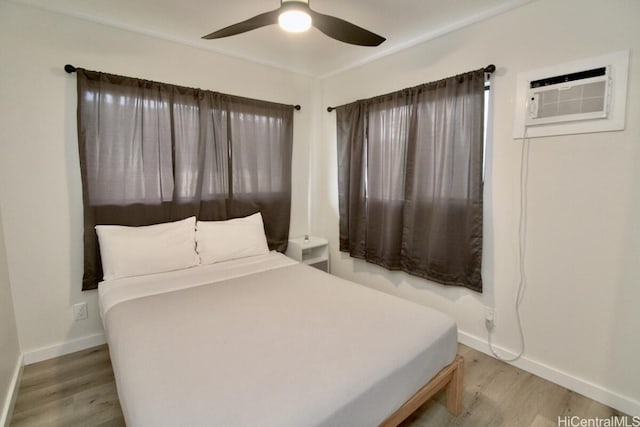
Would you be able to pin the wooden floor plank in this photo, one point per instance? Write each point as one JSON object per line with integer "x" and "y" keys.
{"x": 79, "y": 390}
{"x": 64, "y": 386}
{"x": 65, "y": 366}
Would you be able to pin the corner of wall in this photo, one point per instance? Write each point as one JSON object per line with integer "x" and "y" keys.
{"x": 11, "y": 356}
{"x": 12, "y": 394}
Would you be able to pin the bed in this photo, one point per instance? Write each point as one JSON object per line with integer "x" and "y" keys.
{"x": 263, "y": 340}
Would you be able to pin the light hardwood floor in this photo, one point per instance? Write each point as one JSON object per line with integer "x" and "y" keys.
{"x": 79, "y": 390}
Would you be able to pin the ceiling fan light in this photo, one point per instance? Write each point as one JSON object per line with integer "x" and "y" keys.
{"x": 294, "y": 21}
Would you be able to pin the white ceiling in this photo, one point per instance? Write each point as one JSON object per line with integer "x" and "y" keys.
{"x": 403, "y": 22}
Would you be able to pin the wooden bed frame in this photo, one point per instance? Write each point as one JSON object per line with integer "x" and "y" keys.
{"x": 449, "y": 378}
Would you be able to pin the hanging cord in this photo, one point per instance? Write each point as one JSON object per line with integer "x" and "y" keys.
{"x": 522, "y": 246}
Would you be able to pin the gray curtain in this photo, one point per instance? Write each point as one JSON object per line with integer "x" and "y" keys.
{"x": 410, "y": 179}
{"x": 152, "y": 152}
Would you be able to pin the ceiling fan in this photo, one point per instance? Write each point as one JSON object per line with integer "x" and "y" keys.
{"x": 296, "y": 16}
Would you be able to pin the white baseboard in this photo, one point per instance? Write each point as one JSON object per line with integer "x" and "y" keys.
{"x": 63, "y": 348}
{"x": 593, "y": 391}
{"x": 12, "y": 394}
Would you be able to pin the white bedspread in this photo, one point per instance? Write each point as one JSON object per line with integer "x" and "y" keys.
{"x": 266, "y": 341}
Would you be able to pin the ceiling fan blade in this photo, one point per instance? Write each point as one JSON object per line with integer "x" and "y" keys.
{"x": 344, "y": 31}
{"x": 262, "y": 20}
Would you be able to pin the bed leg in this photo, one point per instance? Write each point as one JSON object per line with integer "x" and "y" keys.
{"x": 454, "y": 388}
{"x": 449, "y": 379}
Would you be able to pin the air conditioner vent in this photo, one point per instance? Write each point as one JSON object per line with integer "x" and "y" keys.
{"x": 576, "y": 100}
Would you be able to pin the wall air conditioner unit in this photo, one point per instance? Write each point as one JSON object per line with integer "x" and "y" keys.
{"x": 577, "y": 97}
{"x": 583, "y": 95}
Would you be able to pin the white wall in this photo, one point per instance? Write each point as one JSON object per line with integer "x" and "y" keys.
{"x": 10, "y": 355}
{"x": 39, "y": 173}
{"x": 580, "y": 313}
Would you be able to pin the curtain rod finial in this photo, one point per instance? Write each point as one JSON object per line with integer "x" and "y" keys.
{"x": 490, "y": 68}
{"x": 70, "y": 68}
{"x": 330, "y": 109}
{"x": 297, "y": 107}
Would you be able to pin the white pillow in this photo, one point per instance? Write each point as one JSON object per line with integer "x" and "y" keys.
{"x": 218, "y": 241}
{"x": 134, "y": 251}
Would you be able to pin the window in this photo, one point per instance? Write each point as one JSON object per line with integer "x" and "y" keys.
{"x": 152, "y": 152}
{"x": 410, "y": 176}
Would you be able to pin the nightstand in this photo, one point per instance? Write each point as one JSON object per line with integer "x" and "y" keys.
{"x": 313, "y": 252}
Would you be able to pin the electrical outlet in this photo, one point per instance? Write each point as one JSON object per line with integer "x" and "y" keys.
{"x": 80, "y": 311}
{"x": 489, "y": 317}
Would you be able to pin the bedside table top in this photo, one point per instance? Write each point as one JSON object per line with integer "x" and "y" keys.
{"x": 313, "y": 242}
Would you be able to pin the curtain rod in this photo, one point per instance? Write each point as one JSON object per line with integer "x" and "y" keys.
{"x": 71, "y": 69}
{"x": 488, "y": 69}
